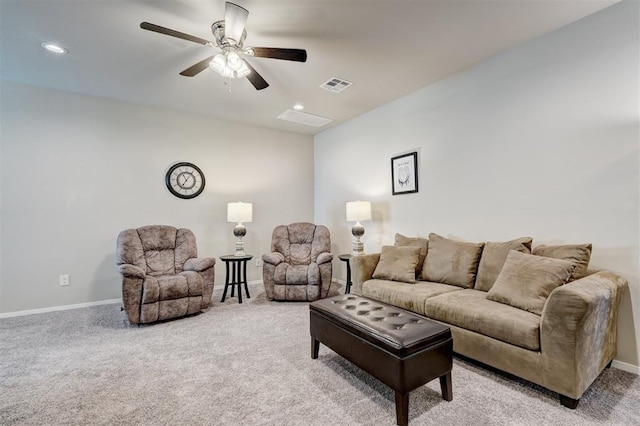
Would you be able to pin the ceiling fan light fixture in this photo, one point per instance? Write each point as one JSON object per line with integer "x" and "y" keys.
{"x": 243, "y": 71}
{"x": 233, "y": 61}
{"x": 218, "y": 63}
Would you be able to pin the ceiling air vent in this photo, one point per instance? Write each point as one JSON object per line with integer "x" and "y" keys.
{"x": 336, "y": 85}
{"x": 304, "y": 118}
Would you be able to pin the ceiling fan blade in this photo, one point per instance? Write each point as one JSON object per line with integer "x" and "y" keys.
{"x": 235, "y": 17}
{"x": 197, "y": 68}
{"x": 299, "y": 55}
{"x": 256, "y": 79}
{"x": 173, "y": 33}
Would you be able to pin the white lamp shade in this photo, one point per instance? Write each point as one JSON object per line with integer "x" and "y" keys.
{"x": 239, "y": 212}
{"x": 358, "y": 210}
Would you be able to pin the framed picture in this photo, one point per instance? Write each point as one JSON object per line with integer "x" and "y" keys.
{"x": 404, "y": 173}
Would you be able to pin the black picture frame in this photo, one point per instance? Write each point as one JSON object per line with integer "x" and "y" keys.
{"x": 404, "y": 174}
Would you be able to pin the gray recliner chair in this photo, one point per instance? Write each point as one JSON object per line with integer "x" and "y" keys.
{"x": 299, "y": 265}
{"x": 162, "y": 277}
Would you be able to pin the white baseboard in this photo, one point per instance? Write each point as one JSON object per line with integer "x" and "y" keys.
{"x": 78, "y": 306}
{"x": 626, "y": 367}
{"x": 59, "y": 308}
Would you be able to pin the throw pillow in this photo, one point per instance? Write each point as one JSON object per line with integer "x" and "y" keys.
{"x": 397, "y": 264}
{"x": 422, "y": 243}
{"x": 451, "y": 262}
{"x": 578, "y": 253}
{"x": 526, "y": 280}
{"x": 493, "y": 257}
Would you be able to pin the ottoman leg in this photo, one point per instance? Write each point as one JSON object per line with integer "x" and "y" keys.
{"x": 402, "y": 408}
{"x": 445, "y": 387}
{"x": 315, "y": 347}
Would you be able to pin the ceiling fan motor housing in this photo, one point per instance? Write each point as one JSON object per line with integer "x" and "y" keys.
{"x": 217, "y": 28}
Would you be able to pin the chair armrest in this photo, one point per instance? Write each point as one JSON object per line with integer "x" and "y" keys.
{"x": 324, "y": 258}
{"x": 131, "y": 271}
{"x": 274, "y": 258}
{"x": 578, "y": 331}
{"x": 362, "y": 268}
{"x": 199, "y": 264}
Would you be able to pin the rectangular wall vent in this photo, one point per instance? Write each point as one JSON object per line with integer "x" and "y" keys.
{"x": 336, "y": 85}
{"x": 304, "y": 118}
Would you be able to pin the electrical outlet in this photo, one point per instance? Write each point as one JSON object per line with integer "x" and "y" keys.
{"x": 64, "y": 280}
{"x": 258, "y": 263}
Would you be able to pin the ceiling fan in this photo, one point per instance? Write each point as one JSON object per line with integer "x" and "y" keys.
{"x": 229, "y": 35}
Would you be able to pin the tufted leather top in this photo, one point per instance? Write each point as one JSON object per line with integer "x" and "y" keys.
{"x": 393, "y": 329}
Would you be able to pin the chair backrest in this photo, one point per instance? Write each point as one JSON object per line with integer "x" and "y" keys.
{"x": 300, "y": 243}
{"x": 156, "y": 249}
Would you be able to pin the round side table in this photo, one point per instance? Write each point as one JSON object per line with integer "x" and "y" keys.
{"x": 345, "y": 258}
{"x": 237, "y": 265}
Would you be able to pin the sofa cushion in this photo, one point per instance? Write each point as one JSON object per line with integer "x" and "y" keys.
{"x": 577, "y": 253}
{"x": 493, "y": 257}
{"x": 526, "y": 280}
{"x": 470, "y": 309}
{"x": 411, "y": 297}
{"x": 423, "y": 243}
{"x": 397, "y": 264}
{"x": 451, "y": 262}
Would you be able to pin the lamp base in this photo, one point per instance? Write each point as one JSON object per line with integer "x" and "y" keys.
{"x": 358, "y": 248}
{"x": 239, "y": 248}
{"x": 239, "y": 231}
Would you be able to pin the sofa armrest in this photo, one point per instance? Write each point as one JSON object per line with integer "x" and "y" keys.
{"x": 578, "y": 331}
{"x": 199, "y": 264}
{"x": 131, "y": 271}
{"x": 324, "y": 258}
{"x": 362, "y": 268}
{"x": 274, "y": 258}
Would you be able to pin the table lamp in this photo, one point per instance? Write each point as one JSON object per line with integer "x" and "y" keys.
{"x": 239, "y": 212}
{"x": 357, "y": 211}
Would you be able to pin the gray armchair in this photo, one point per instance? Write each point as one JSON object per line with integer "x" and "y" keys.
{"x": 299, "y": 265}
{"x": 162, "y": 277}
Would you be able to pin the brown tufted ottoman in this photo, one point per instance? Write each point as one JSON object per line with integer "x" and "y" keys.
{"x": 401, "y": 349}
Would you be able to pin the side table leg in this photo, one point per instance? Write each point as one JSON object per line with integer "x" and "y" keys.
{"x": 244, "y": 278}
{"x": 233, "y": 278}
{"x": 237, "y": 272}
{"x": 226, "y": 282}
{"x": 402, "y": 408}
{"x": 347, "y": 288}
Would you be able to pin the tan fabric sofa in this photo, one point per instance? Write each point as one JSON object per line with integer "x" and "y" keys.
{"x": 558, "y": 336}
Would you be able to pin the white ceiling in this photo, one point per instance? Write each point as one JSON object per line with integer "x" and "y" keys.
{"x": 387, "y": 48}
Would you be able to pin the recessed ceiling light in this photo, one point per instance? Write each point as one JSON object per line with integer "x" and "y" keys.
{"x": 298, "y": 107}
{"x": 52, "y": 47}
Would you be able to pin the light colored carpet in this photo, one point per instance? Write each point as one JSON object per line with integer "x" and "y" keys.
{"x": 248, "y": 364}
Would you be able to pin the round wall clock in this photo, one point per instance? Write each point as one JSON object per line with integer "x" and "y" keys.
{"x": 185, "y": 180}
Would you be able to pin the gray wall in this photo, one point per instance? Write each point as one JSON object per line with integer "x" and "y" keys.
{"x": 540, "y": 141}
{"x": 76, "y": 170}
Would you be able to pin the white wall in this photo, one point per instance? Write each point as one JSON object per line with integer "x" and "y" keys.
{"x": 540, "y": 141}
{"x": 76, "y": 170}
